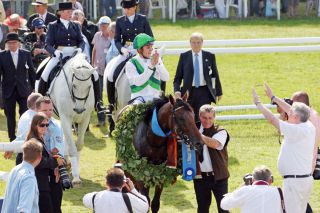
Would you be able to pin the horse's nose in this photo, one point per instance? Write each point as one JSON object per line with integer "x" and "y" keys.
{"x": 79, "y": 111}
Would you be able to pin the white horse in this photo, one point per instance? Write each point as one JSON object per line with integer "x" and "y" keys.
{"x": 72, "y": 95}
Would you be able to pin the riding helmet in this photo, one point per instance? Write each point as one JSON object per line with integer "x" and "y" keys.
{"x": 142, "y": 40}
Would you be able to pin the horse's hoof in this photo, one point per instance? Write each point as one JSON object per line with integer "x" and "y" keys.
{"x": 76, "y": 183}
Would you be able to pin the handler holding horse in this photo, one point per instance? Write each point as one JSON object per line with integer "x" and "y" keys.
{"x": 63, "y": 39}
{"x": 145, "y": 71}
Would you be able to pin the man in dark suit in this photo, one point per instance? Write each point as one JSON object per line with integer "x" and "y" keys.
{"x": 41, "y": 7}
{"x": 17, "y": 75}
{"x": 198, "y": 70}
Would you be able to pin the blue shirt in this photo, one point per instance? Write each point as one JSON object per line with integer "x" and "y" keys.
{"x": 112, "y": 51}
{"x": 54, "y": 136}
{"x": 22, "y": 193}
{"x": 24, "y": 124}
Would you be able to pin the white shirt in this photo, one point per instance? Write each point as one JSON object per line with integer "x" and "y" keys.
{"x": 24, "y": 124}
{"x": 14, "y": 56}
{"x": 161, "y": 73}
{"x": 206, "y": 165}
{"x": 253, "y": 199}
{"x": 109, "y": 201}
{"x": 65, "y": 22}
{"x": 131, "y": 18}
{"x": 296, "y": 153}
{"x": 202, "y": 80}
{"x": 43, "y": 16}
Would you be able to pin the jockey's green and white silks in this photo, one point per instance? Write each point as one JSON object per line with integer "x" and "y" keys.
{"x": 153, "y": 82}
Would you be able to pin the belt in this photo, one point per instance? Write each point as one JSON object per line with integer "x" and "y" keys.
{"x": 207, "y": 174}
{"x": 297, "y": 176}
{"x": 193, "y": 87}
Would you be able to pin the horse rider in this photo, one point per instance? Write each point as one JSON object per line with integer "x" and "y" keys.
{"x": 64, "y": 38}
{"x": 35, "y": 41}
{"x": 145, "y": 71}
{"x": 128, "y": 27}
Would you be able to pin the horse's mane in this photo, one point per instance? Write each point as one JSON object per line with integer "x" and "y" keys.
{"x": 157, "y": 103}
{"x": 181, "y": 103}
{"x": 78, "y": 61}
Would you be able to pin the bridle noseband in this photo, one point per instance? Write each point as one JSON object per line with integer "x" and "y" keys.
{"x": 74, "y": 97}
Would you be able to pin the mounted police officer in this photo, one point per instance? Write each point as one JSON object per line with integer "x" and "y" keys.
{"x": 128, "y": 27}
{"x": 145, "y": 71}
{"x": 64, "y": 39}
{"x": 35, "y": 41}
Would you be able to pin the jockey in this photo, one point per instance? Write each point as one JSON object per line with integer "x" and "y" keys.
{"x": 64, "y": 38}
{"x": 127, "y": 28}
{"x": 145, "y": 71}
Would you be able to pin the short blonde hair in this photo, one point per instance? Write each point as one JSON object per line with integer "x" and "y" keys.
{"x": 196, "y": 35}
{"x": 32, "y": 149}
{"x": 207, "y": 108}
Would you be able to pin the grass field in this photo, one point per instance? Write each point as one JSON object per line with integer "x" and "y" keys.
{"x": 252, "y": 142}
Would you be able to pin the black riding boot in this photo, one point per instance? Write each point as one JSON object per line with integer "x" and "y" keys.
{"x": 112, "y": 101}
{"x": 97, "y": 96}
{"x": 42, "y": 87}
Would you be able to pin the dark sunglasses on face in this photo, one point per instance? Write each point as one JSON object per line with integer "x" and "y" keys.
{"x": 43, "y": 125}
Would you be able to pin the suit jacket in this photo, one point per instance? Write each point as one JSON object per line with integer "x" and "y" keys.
{"x": 127, "y": 31}
{"x": 58, "y": 35}
{"x": 22, "y": 78}
{"x": 185, "y": 72}
{"x": 49, "y": 18}
{"x": 5, "y": 31}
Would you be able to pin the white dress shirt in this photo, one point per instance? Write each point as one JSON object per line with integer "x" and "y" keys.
{"x": 43, "y": 16}
{"x": 206, "y": 164}
{"x": 14, "y": 56}
{"x": 65, "y": 22}
{"x": 253, "y": 199}
{"x": 109, "y": 201}
{"x": 131, "y": 18}
{"x": 201, "y": 77}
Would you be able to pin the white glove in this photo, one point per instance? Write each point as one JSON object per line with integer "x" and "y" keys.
{"x": 58, "y": 53}
{"x": 78, "y": 50}
{"x": 124, "y": 52}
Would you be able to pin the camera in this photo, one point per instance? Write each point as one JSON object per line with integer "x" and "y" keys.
{"x": 287, "y": 100}
{"x": 316, "y": 173}
{"x": 248, "y": 179}
{"x": 64, "y": 176}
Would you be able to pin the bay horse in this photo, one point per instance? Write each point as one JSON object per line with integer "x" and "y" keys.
{"x": 175, "y": 116}
{"x": 72, "y": 94}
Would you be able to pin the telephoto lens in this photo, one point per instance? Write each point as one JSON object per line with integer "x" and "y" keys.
{"x": 64, "y": 177}
{"x": 316, "y": 173}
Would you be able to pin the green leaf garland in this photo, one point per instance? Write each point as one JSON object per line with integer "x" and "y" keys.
{"x": 138, "y": 167}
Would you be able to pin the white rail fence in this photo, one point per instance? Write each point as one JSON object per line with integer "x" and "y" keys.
{"x": 231, "y": 46}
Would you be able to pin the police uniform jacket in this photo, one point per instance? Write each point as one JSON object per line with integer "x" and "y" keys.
{"x": 127, "y": 31}
{"x": 58, "y": 35}
{"x": 49, "y": 18}
{"x": 21, "y": 78}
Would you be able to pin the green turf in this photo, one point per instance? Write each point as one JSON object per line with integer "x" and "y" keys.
{"x": 252, "y": 142}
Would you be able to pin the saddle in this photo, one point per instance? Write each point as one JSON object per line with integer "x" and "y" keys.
{"x": 119, "y": 68}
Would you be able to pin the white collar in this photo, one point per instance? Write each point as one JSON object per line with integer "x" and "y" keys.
{"x": 131, "y": 18}
{"x": 199, "y": 53}
{"x": 43, "y": 15}
{"x": 65, "y": 22}
{"x": 16, "y": 52}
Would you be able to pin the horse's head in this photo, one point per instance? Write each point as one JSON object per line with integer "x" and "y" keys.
{"x": 80, "y": 81}
{"x": 183, "y": 122}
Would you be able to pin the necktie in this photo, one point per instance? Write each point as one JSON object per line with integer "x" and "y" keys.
{"x": 196, "y": 71}
{"x": 15, "y": 59}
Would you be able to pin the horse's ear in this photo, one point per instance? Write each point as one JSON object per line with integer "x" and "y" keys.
{"x": 171, "y": 99}
{"x": 185, "y": 96}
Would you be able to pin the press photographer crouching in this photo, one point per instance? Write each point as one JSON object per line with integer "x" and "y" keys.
{"x": 113, "y": 200}
{"x": 258, "y": 196}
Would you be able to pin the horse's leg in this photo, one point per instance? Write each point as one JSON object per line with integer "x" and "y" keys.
{"x": 72, "y": 149}
{"x": 155, "y": 204}
{"x": 82, "y": 127}
{"x": 142, "y": 189}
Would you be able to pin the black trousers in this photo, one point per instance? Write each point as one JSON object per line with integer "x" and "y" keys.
{"x": 203, "y": 188}
{"x": 198, "y": 97}
{"x": 10, "y": 111}
{"x": 45, "y": 203}
{"x": 56, "y": 194}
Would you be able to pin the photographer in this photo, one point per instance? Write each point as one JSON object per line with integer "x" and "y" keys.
{"x": 258, "y": 197}
{"x": 113, "y": 200}
{"x": 296, "y": 154}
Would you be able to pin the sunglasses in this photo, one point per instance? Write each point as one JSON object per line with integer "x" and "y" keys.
{"x": 43, "y": 125}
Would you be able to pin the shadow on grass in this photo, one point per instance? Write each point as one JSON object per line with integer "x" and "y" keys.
{"x": 75, "y": 195}
{"x": 176, "y": 196}
{"x": 233, "y": 161}
{"x": 93, "y": 142}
